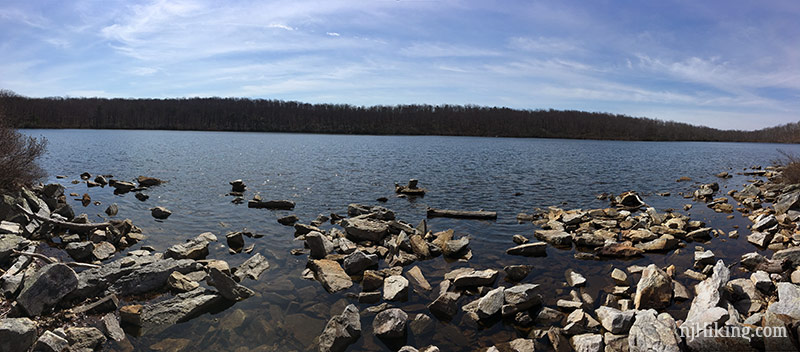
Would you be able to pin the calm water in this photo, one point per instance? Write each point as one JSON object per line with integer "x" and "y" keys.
{"x": 324, "y": 173}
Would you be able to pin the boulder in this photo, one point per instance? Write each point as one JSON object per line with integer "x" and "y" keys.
{"x": 365, "y": 229}
{"x": 787, "y": 201}
{"x": 390, "y": 323}
{"x": 80, "y": 251}
{"x": 587, "y": 343}
{"x": 490, "y": 303}
{"x": 288, "y": 220}
{"x": 358, "y": 261}
{"x": 319, "y": 244}
{"x": 764, "y": 223}
{"x": 145, "y": 278}
{"x": 651, "y": 333}
{"x": 235, "y": 241}
{"x": 455, "y": 248}
{"x": 17, "y": 334}
{"x": 103, "y": 250}
{"x": 122, "y": 186}
{"x": 330, "y": 274}
{"x": 341, "y": 331}
{"x": 519, "y": 298}
{"x": 112, "y": 209}
{"x": 791, "y": 255}
{"x": 47, "y": 287}
{"x": 237, "y": 186}
{"x": 654, "y": 289}
{"x": 615, "y": 320}
{"x": 160, "y": 213}
{"x": 536, "y": 249}
{"x": 109, "y": 325}
{"x": 619, "y": 250}
{"x": 395, "y": 288}
{"x": 8, "y": 244}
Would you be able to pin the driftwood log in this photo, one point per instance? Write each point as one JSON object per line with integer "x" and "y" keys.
{"x": 461, "y": 214}
{"x": 49, "y": 260}
{"x": 64, "y": 224}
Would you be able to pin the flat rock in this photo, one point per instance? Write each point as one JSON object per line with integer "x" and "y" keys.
{"x": 536, "y": 249}
{"x": 288, "y": 220}
{"x": 490, "y": 303}
{"x": 177, "y": 309}
{"x": 485, "y": 277}
{"x": 358, "y": 261}
{"x": 196, "y": 248}
{"x": 455, "y": 248}
{"x": 228, "y": 287}
{"x": 48, "y": 286}
{"x": 395, "y": 288}
{"x": 180, "y": 282}
{"x": 330, "y": 274}
{"x": 555, "y": 237}
{"x": 251, "y": 268}
{"x": 619, "y": 250}
{"x": 365, "y": 229}
{"x": 390, "y": 323}
{"x": 103, "y": 250}
{"x": 17, "y": 334}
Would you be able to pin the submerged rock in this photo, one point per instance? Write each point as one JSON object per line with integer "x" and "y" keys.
{"x": 330, "y": 274}
{"x": 341, "y": 331}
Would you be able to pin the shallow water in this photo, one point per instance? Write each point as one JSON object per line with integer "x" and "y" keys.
{"x": 324, "y": 173}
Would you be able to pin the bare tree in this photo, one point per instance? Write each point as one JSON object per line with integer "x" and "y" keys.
{"x": 18, "y": 157}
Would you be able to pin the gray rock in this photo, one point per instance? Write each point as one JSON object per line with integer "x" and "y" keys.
{"x": 490, "y": 303}
{"x": 701, "y": 259}
{"x": 319, "y": 244}
{"x": 109, "y": 325}
{"x": 49, "y": 285}
{"x": 48, "y": 342}
{"x": 251, "y": 268}
{"x": 574, "y": 279}
{"x": 791, "y": 255}
{"x": 103, "y": 250}
{"x": 517, "y": 272}
{"x": 476, "y": 278}
{"x": 84, "y": 338}
{"x": 365, "y": 229}
{"x": 619, "y": 276}
{"x": 536, "y": 249}
{"x": 519, "y": 239}
{"x": 288, "y": 220}
{"x": 395, "y": 288}
{"x": 330, "y": 274}
{"x": 587, "y": 343}
{"x": 112, "y": 209}
{"x": 653, "y": 334}
{"x": 555, "y": 237}
{"x": 615, "y": 320}
{"x": 788, "y": 306}
{"x": 787, "y": 201}
{"x": 358, "y": 261}
{"x": 520, "y": 297}
{"x": 179, "y": 308}
{"x": 8, "y": 244}
{"x": 142, "y": 279}
{"x": 228, "y": 287}
{"x": 195, "y": 248}
{"x": 80, "y": 251}
{"x": 179, "y": 282}
{"x": 390, "y": 323}
{"x": 454, "y": 248}
{"x": 705, "y": 308}
{"x": 761, "y": 239}
{"x": 763, "y": 223}
{"x": 414, "y": 275}
{"x": 654, "y": 289}
{"x": 762, "y": 281}
{"x": 160, "y": 213}
{"x": 10, "y": 228}
{"x": 341, "y": 331}
{"x": 17, "y": 334}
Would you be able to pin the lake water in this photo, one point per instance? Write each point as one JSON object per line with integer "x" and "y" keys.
{"x": 324, "y": 173}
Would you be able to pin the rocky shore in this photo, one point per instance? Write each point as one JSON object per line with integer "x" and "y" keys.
{"x": 61, "y": 291}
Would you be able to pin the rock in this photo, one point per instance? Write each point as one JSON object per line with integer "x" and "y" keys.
{"x": 421, "y": 324}
{"x": 48, "y": 286}
{"x": 445, "y": 305}
{"x": 177, "y": 309}
{"x": 569, "y": 305}
{"x": 112, "y": 209}
{"x": 615, "y": 320}
{"x": 519, "y": 239}
{"x": 11, "y": 228}
{"x": 555, "y": 237}
{"x": 762, "y": 281}
{"x": 103, "y": 250}
{"x": 48, "y": 342}
{"x": 109, "y": 325}
{"x": 180, "y": 282}
{"x": 251, "y": 268}
{"x": 235, "y": 241}
{"x": 145, "y": 181}
{"x": 390, "y": 323}
{"x": 415, "y": 276}
{"x": 654, "y": 289}
{"x": 791, "y": 255}
{"x": 80, "y": 251}
{"x": 519, "y": 298}
{"x": 365, "y": 229}
{"x": 619, "y": 250}
{"x": 619, "y": 277}
{"x": 679, "y": 292}
{"x": 17, "y": 334}
{"x": 630, "y": 200}
{"x": 319, "y": 244}
{"x": 574, "y": 279}
{"x": 136, "y": 279}
{"x": 141, "y": 196}
{"x": 587, "y": 343}
{"x": 517, "y": 273}
{"x": 455, "y": 248}
{"x": 228, "y": 287}
{"x": 650, "y": 333}
{"x": 277, "y": 204}
{"x": 705, "y": 309}
{"x": 701, "y": 259}
{"x": 476, "y": 278}
{"x": 787, "y": 201}
{"x": 341, "y": 331}
{"x": 84, "y": 338}
{"x": 358, "y": 261}
{"x": 160, "y": 213}
{"x": 288, "y": 220}
{"x": 665, "y": 242}
{"x": 237, "y": 186}
{"x": 122, "y": 186}
{"x": 371, "y": 281}
{"x": 420, "y": 247}
{"x": 764, "y": 223}
{"x": 536, "y": 249}
{"x": 395, "y": 288}
{"x": 330, "y": 274}
{"x": 490, "y": 303}
{"x": 196, "y": 248}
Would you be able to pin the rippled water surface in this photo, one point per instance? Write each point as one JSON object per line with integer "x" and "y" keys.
{"x": 324, "y": 173}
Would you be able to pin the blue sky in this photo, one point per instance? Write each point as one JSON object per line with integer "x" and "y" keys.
{"x": 725, "y": 64}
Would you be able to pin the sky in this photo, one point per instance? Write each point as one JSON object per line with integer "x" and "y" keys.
{"x": 725, "y": 64}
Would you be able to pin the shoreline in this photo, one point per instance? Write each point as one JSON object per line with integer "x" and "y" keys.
{"x": 371, "y": 235}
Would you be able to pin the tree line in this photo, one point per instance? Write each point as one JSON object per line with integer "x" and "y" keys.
{"x": 240, "y": 114}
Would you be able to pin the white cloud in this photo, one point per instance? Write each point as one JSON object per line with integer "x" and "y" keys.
{"x": 439, "y": 49}
{"x": 332, "y": 34}
{"x": 281, "y": 26}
